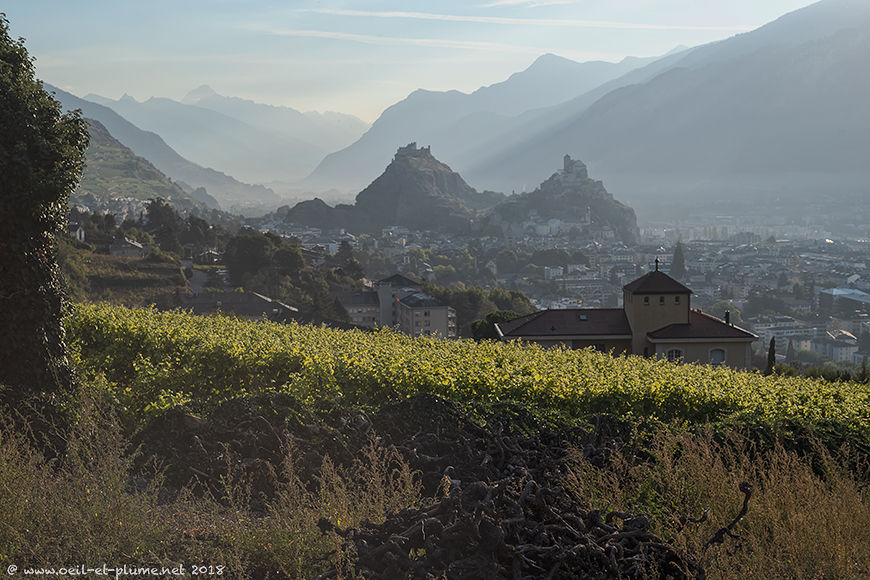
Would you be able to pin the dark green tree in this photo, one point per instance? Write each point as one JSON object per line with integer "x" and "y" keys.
{"x": 165, "y": 225}
{"x": 41, "y": 158}
{"x": 790, "y": 355}
{"x": 771, "y": 357}
{"x": 678, "y": 263}
{"x": 863, "y": 374}
{"x": 485, "y": 327}
{"x": 247, "y": 253}
{"x": 288, "y": 259}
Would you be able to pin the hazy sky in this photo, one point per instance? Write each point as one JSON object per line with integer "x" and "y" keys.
{"x": 346, "y": 56}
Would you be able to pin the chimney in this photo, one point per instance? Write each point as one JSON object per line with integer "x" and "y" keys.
{"x": 728, "y": 317}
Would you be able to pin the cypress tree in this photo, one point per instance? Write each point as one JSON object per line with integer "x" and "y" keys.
{"x": 771, "y": 357}
{"x": 790, "y": 353}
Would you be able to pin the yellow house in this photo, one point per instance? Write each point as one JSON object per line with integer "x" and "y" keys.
{"x": 656, "y": 320}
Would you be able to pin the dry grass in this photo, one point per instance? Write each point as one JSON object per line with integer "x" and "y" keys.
{"x": 809, "y": 516}
{"x": 87, "y": 507}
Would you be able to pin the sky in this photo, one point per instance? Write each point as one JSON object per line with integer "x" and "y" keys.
{"x": 345, "y": 56}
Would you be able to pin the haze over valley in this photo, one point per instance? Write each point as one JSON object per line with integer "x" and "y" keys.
{"x": 780, "y": 111}
{"x": 488, "y": 289}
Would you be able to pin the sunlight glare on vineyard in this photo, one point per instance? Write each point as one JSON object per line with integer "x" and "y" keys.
{"x": 154, "y": 360}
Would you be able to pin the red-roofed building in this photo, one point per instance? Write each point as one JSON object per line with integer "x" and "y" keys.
{"x": 656, "y": 320}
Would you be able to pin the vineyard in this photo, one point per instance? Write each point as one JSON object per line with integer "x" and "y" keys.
{"x": 273, "y": 451}
{"x": 154, "y": 360}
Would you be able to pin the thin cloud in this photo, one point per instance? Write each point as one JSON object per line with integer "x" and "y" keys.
{"x": 434, "y": 42}
{"x": 553, "y": 22}
{"x": 529, "y": 3}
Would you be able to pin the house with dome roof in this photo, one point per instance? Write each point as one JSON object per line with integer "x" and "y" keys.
{"x": 656, "y": 320}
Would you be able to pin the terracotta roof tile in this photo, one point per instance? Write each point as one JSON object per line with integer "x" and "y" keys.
{"x": 656, "y": 282}
{"x": 570, "y": 322}
{"x": 701, "y": 325}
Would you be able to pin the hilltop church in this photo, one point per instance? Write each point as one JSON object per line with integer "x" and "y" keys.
{"x": 656, "y": 320}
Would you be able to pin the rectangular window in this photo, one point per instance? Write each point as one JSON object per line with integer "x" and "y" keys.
{"x": 676, "y": 299}
{"x": 646, "y": 300}
{"x": 661, "y": 300}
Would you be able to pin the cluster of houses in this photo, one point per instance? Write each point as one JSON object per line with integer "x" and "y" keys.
{"x": 399, "y": 301}
{"x": 656, "y": 320}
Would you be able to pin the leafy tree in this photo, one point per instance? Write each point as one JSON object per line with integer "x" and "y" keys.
{"x": 790, "y": 354}
{"x": 247, "y": 253}
{"x": 348, "y": 263}
{"x": 551, "y": 257}
{"x": 288, "y": 259}
{"x": 42, "y": 156}
{"x": 485, "y": 328}
{"x": 165, "y": 224}
{"x": 719, "y": 309}
{"x": 506, "y": 262}
{"x": 474, "y": 303}
{"x": 863, "y": 375}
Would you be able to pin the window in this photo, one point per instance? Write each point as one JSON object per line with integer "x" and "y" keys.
{"x": 646, "y": 300}
{"x": 676, "y": 299}
{"x": 674, "y": 355}
{"x": 717, "y": 356}
{"x": 661, "y": 300}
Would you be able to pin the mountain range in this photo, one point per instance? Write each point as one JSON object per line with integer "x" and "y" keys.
{"x": 419, "y": 192}
{"x": 113, "y": 170}
{"x": 230, "y": 193}
{"x": 458, "y": 123}
{"x": 251, "y": 141}
{"x": 781, "y": 110}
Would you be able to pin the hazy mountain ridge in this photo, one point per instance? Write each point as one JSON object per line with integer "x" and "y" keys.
{"x": 783, "y": 108}
{"x": 228, "y": 191}
{"x": 568, "y": 196}
{"x": 415, "y": 190}
{"x": 328, "y": 131}
{"x": 214, "y": 139}
{"x": 113, "y": 170}
{"x": 459, "y": 123}
{"x": 419, "y": 192}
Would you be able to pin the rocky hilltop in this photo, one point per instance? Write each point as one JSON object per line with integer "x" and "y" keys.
{"x": 421, "y": 193}
{"x": 568, "y": 200}
{"x": 416, "y": 190}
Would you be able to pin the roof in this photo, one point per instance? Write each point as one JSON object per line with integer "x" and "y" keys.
{"x": 848, "y": 293}
{"x": 360, "y": 299}
{"x": 420, "y": 300}
{"x": 398, "y": 280}
{"x": 701, "y": 326}
{"x": 569, "y": 322}
{"x": 656, "y": 282}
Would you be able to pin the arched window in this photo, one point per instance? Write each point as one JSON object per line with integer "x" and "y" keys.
{"x": 674, "y": 355}
{"x": 717, "y": 356}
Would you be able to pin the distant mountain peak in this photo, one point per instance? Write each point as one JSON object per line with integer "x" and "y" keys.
{"x": 549, "y": 57}
{"x": 198, "y": 94}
